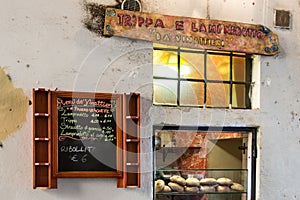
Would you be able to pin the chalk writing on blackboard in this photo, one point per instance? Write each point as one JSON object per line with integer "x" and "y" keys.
{"x": 86, "y": 134}
{"x": 86, "y": 119}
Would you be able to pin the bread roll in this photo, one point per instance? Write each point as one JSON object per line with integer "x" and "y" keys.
{"x": 178, "y": 179}
{"x": 192, "y": 182}
{"x": 237, "y": 187}
{"x": 224, "y": 181}
{"x": 167, "y": 189}
{"x": 206, "y": 188}
{"x": 176, "y": 187}
{"x": 221, "y": 188}
{"x": 208, "y": 181}
{"x": 159, "y": 185}
{"x": 191, "y": 189}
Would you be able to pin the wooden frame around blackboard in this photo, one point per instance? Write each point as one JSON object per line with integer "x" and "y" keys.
{"x": 118, "y": 135}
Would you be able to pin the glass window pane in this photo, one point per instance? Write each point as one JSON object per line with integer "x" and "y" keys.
{"x": 191, "y": 65}
{"x": 217, "y": 150}
{"x": 165, "y": 92}
{"x": 218, "y": 67}
{"x": 218, "y": 95}
{"x": 191, "y": 62}
{"x": 165, "y": 64}
{"x": 219, "y": 52}
{"x": 238, "y": 96}
{"x": 225, "y": 146}
{"x": 239, "y": 69}
{"x": 204, "y": 154}
{"x": 182, "y": 49}
{"x": 191, "y": 93}
{"x": 239, "y": 53}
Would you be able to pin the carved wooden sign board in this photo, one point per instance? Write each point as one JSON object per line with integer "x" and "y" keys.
{"x": 191, "y": 32}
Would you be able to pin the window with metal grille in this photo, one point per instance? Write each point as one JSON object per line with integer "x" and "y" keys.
{"x": 201, "y": 78}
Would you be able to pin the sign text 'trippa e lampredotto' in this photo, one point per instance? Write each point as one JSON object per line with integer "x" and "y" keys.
{"x": 191, "y": 32}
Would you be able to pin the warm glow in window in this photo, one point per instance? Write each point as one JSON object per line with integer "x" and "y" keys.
{"x": 188, "y": 77}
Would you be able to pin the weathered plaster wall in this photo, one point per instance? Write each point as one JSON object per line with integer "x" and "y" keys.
{"x": 44, "y": 44}
{"x": 13, "y": 106}
{"x": 280, "y": 110}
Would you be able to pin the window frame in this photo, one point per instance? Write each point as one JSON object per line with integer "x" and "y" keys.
{"x": 247, "y": 83}
{"x": 254, "y": 154}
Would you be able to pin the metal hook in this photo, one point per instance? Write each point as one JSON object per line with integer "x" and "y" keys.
{"x": 243, "y": 148}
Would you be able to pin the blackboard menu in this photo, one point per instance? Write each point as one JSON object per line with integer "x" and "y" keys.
{"x": 86, "y": 132}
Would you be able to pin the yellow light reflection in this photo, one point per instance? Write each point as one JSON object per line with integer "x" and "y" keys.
{"x": 165, "y": 65}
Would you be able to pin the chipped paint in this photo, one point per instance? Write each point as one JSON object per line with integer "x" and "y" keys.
{"x": 13, "y": 106}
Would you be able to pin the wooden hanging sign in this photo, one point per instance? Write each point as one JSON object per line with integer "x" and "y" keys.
{"x": 191, "y": 32}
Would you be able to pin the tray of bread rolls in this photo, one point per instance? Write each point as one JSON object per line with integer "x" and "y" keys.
{"x": 177, "y": 184}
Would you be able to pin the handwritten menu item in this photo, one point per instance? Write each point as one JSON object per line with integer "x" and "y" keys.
{"x": 87, "y": 133}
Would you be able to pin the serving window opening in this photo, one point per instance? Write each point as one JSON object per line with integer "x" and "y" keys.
{"x": 204, "y": 163}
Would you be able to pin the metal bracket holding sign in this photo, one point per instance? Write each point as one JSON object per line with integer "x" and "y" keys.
{"x": 191, "y": 32}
